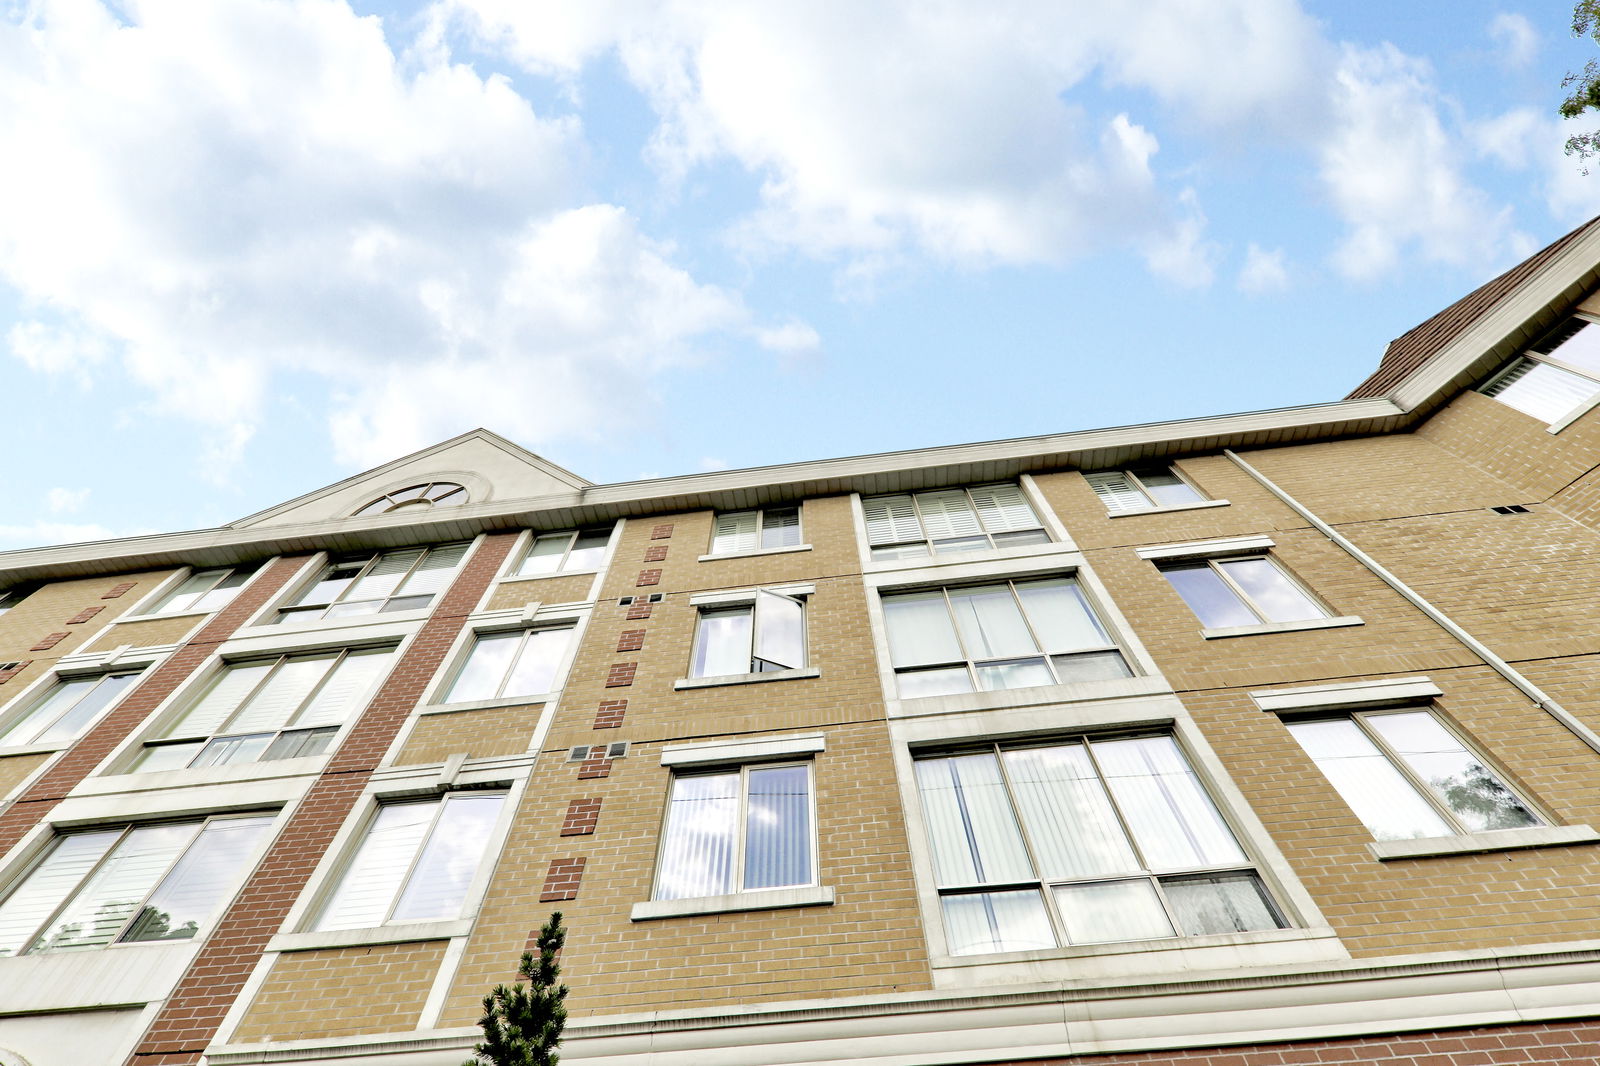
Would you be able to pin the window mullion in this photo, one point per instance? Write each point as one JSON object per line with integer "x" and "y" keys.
{"x": 742, "y": 819}
{"x": 1238, "y": 590}
{"x": 955, "y": 626}
{"x": 1056, "y": 923}
{"x": 1412, "y": 778}
{"x": 412, "y": 569}
{"x": 1116, "y": 807}
{"x": 416, "y": 857}
{"x": 353, "y": 582}
{"x": 511, "y": 667}
{"x": 68, "y": 897}
{"x": 566, "y": 553}
{"x": 1138, "y": 485}
{"x": 305, "y": 701}
{"x": 222, "y": 727}
{"x": 922, "y": 527}
{"x": 1560, "y": 364}
{"x": 1011, "y": 586}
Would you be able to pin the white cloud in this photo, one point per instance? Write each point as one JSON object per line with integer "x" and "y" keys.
{"x": 1263, "y": 271}
{"x": 66, "y": 501}
{"x": 215, "y": 193}
{"x": 1395, "y": 174}
{"x": 1518, "y": 40}
{"x": 709, "y": 464}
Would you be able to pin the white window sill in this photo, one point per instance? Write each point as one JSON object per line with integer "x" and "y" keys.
{"x": 766, "y": 899}
{"x": 979, "y": 555}
{"x": 380, "y": 934}
{"x": 746, "y": 679}
{"x": 1198, "y": 505}
{"x": 1573, "y": 415}
{"x": 326, "y": 632}
{"x": 1075, "y": 692}
{"x": 546, "y": 577}
{"x": 754, "y": 552}
{"x": 35, "y": 749}
{"x": 185, "y": 777}
{"x": 173, "y": 614}
{"x": 1538, "y": 836}
{"x": 482, "y": 705}
{"x": 1282, "y": 627}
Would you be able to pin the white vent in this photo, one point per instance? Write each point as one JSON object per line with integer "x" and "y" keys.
{"x": 584, "y": 752}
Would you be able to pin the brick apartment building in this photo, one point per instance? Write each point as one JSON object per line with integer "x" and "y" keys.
{"x": 1253, "y": 739}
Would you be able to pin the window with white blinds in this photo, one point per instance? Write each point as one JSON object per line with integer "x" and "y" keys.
{"x": 1000, "y": 635}
{"x": 415, "y": 862}
{"x": 1554, "y": 377}
{"x": 1406, "y": 775}
{"x": 261, "y": 711}
{"x": 738, "y": 830}
{"x": 737, "y": 532}
{"x": 128, "y": 884}
{"x": 1085, "y": 840}
{"x": 403, "y": 580}
{"x": 511, "y": 665}
{"x": 204, "y": 590}
{"x": 570, "y": 551}
{"x": 1142, "y": 490}
{"x": 767, "y": 634}
{"x": 64, "y": 711}
{"x": 911, "y": 525}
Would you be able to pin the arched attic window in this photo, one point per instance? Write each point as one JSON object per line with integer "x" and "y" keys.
{"x": 417, "y": 497}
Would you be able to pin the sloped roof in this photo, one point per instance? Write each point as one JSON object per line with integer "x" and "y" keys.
{"x": 1420, "y": 343}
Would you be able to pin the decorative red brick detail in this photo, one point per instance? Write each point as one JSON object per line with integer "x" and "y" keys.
{"x": 598, "y": 766}
{"x": 117, "y": 590}
{"x": 49, "y": 642}
{"x": 621, "y": 675}
{"x": 84, "y": 615}
{"x": 582, "y": 816}
{"x": 610, "y": 714}
{"x": 655, "y": 553}
{"x": 661, "y": 532}
{"x": 638, "y": 611}
{"x": 648, "y": 577}
{"x": 10, "y": 672}
{"x": 562, "y": 879}
{"x": 189, "y": 1020}
{"x": 630, "y": 640}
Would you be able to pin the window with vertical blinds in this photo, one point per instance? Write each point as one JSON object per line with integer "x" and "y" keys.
{"x": 403, "y": 580}
{"x": 912, "y": 525}
{"x": 738, "y": 830}
{"x": 1142, "y": 490}
{"x": 415, "y": 862}
{"x": 1554, "y": 377}
{"x": 65, "y": 710}
{"x": 737, "y": 532}
{"x": 204, "y": 590}
{"x": 1084, "y": 840}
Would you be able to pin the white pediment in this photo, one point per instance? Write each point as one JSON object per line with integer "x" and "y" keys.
{"x": 486, "y": 464}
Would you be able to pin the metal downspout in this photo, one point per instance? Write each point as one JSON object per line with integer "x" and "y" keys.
{"x": 1439, "y": 618}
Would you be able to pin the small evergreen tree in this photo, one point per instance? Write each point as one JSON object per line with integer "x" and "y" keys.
{"x": 522, "y": 1024}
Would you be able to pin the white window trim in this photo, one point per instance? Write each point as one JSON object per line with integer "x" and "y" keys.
{"x": 532, "y": 615}
{"x": 720, "y": 680}
{"x": 754, "y": 552}
{"x": 524, "y": 544}
{"x": 734, "y": 597}
{"x": 141, "y": 609}
{"x": 735, "y": 752}
{"x": 509, "y": 773}
{"x": 1197, "y": 505}
{"x": 1227, "y": 547}
{"x": 800, "y": 519}
{"x": 1061, "y": 542}
{"x": 1347, "y": 695}
{"x": 1332, "y": 622}
{"x": 1310, "y": 938}
{"x": 1207, "y": 549}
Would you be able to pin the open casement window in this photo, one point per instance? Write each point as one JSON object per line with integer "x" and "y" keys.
{"x": 910, "y": 525}
{"x": 204, "y": 590}
{"x": 747, "y": 531}
{"x": 738, "y": 830}
{"x": 129, "y": 884}
{"x": 571, "y": 551}
{"x": 1554, "y": 377}
{"x": 509, "y": 665}
{"x": 751, "y": 638}
{"x": 1007, "y": 634}
{"x": 1407, "y": 776}
{"x": 268, "y": 709}
{"x": 1246, "y": 590}
{"x": 1083, "y": 841}
{"x": 1142, "y": 490}
{"x": 66, "y": 709}
{"x": 403, "y": 580}
{"x": 415, "y": 863}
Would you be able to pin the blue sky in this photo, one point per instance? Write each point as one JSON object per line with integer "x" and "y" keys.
{"x": 248, "y": 248}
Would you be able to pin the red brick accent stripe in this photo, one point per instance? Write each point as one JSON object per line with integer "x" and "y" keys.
{"x": 648, "y": 577}
{"x": 46, "y": 643}
{"x": 581, "y": 818}
{"x": 562, "y": 879}
{"x": 638, "y": 611}
{"x": 197, "y": 1006}
{"x": 621, "y": 675}
{"x": 599, "y": 766}
{"x": 630, "y": 640}
{"x": 655, "y": 553}
{"x": 661, "y": 532}
{"x": 117, "y": 590}
{"x": 610, "y": 714}
{"x": 84, "y": 615}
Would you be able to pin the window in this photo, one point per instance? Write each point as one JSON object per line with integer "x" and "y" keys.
{"x": 1083, "y": 841}
{"x": 1245, "y": 590}
{"x": 403, "y": 580}
{"x": 415, "y": 863}
{"x": 1142, "y": 490}
{"x": 128, "y": 884}
{"x": 1555, "y": 377}
{"x": 1407, "y": 776}
{"x": 740, "y": 830}
{"x": 748, "y": 531}
{"x": 66, "y": 709}
{"x": 908, "y": 525}
{"x": 204, "y": 590}
{"x": 751, "y": 638}
{"x": 569, "y": 551}
{"x": 1009, "y": 634}
{"x": 284, "y": 708}
{"x": 418, "y": 497}
{"x": 509, "y": 665}
{"x": 10, "y": 597}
